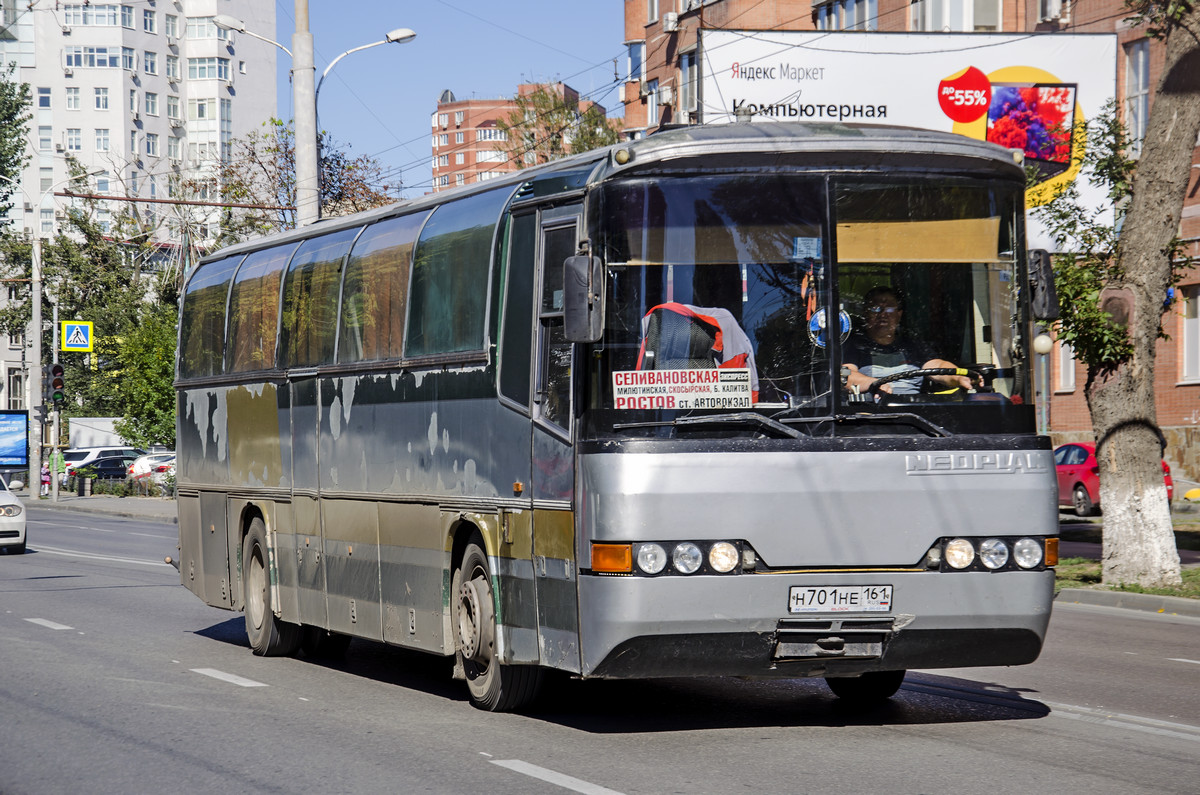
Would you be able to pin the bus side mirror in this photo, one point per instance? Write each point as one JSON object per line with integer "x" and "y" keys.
{"x": 583, "y": 298}
{"x": 1043, "y": 299}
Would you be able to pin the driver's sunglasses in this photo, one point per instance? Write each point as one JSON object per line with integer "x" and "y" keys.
{"x": 887, "y": 310}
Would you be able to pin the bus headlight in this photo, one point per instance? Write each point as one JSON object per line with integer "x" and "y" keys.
{"x": 687, "y": 558}
{"x": 959, "y": 553}
{"x": 993, "y": 553}
{"x": 723, "y": 557}
{"x": 651, "y": 558}
{"x": 1027, "y": 552}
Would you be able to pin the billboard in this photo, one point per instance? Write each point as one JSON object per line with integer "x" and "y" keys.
{"x": 14, "y": 439}
{"x": 1023, "y": 91}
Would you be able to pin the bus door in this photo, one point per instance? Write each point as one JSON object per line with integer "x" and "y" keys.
{"x": 306, "y": 510}
{"x": 553, "y": 464}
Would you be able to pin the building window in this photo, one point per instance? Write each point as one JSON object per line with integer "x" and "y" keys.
{"x": 101, "y": 98}
{"x": 651, "y": 10}
{"x": 133, "y": 147}
{"x": 16, "y": 389}
{"x": 73, "y": 98}
{"x": 173, "y": 147}
{"x": 102, "y": 177}
{"x": 1137, "y": 93}
{"x": 459, "y": 158}
{"x": 149, "y": 21}
{"x": 459, "y": 179}
{"x": 943, "y": 16}
{"x": 636, "y": 60}
{"x": 151, "y": 103}
{"x": 444, "y": 139}
{"x": 128, "y": 59}
{"x": 173, "y": 67}
{"x": 208, "y": 68}
{"x": 74, "y": 139}
{"x": 1066, "y": 368}
{"x": 199, "y": 109}
{"x": 205, "y": 28}
{"x": 458, "y": 117}
{"x": 47, "y": 175}
{"x": 16, "y": 340}
{"x": 152, "y": 144}
{"x": 47, "y": 216}
{"x": 491, "y": 156}
{"x": 133, "y": 103}
{"x": 171, "y": 25}
{"x": 687, "y": 81}
{"x": 459, "y": 137}
{"x": 101, "y": 139}
{"x": 443, "y": 160}
{"x": 127, "y": 17}
{"x": 851, "y": 15}
{"x": 172, "y": 106}
{"x": 1191, "y": 333}
{"x": 443, "y": 119}
{"x": 43, "y": 97}
{"x": 150, "y": 62}
{"x": 82, "y": 14}
{"x": 490, "y": 134}
{"x": 652, "y": 102}
{"x": 45, "y": 138}
{"x": 92, "y": 57}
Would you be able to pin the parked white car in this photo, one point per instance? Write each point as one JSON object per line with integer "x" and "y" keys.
{"x": 82, "y": 456}
{"x": 144, "y": 467}
{"x": 12, "y": 520}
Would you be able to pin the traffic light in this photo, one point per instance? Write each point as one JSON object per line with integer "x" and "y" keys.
{"x": 58, "y": 386}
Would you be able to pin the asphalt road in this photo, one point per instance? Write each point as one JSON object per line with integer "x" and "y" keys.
{"x": 113, "y": 678}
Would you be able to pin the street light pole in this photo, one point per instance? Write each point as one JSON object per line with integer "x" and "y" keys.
{"x": 304, "y": 97}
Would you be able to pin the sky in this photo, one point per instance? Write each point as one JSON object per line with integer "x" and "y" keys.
{"x": 379, "y": 101}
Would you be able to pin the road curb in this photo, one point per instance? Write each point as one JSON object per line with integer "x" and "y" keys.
{"x": 1150, "y": 603}
{"x": 95, "y": 510}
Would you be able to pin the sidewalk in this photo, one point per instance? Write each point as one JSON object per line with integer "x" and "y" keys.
{"x": 149, "y": 509}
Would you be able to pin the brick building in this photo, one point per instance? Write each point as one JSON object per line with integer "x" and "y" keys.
{"x": 469, "y": 144}
{"x": 664, "y": 70}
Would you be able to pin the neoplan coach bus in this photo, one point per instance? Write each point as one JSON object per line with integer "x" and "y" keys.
{"x": 591, "y": 417}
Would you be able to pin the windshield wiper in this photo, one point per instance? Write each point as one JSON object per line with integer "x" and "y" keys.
{"x": 740, "y": 418}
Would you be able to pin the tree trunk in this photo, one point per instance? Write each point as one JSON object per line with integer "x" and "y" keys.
{"x": 1139, "y": 545}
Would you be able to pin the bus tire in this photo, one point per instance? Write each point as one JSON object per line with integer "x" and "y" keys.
{"x": 493, "y": 686}
{"x": 870, "y": 688}
{"x": 269, "y": 636}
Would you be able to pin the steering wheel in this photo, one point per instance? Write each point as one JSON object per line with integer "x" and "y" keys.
{"x": 884, "y": 397}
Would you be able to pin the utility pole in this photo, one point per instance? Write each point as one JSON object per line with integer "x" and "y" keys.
{"x": 37, "y": 407}
{"x": 308, "y": 205}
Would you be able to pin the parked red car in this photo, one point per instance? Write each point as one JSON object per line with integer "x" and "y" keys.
{"x": 1079, "y": 477}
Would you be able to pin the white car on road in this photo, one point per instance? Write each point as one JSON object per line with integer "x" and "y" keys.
{"x": 12, "y": 520}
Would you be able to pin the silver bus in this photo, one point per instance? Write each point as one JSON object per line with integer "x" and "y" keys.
{"x": 599, "y": 417}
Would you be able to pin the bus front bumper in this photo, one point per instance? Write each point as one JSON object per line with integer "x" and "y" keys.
{"x": 740, "y": 625}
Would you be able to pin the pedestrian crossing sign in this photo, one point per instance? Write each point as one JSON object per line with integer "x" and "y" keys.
{"x": 76, "y": 336}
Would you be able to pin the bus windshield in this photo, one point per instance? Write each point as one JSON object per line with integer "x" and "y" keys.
{"x": 721, "y": 296}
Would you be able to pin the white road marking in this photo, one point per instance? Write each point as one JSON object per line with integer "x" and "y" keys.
{"x": 552, "y": 777}
{"x": 48, "y": 624}
{"x": 1117, "y": 720}
{"x": 1181, "y": 659}
{"x": 108, "y": 558}
{"x": 154, "y": 535}
{"x": 232, "y": 679}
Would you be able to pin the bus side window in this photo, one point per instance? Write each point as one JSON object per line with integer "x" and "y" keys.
{"x": 310, "y": 295}
{"x": 254, "y": 310}
{"x": 554, "y": 383}
{"x": 202, "y": 322}
{"x": 375, "y": 288}
{"x": 516, "y": 350}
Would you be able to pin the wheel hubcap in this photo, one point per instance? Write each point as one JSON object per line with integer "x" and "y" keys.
{"x": 475, "y": 620}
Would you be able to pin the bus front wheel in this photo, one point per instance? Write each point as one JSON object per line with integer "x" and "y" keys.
{"x": 493, "y": 686}
{"x": 269, "y": 636}
{"x": 870, "y": 688}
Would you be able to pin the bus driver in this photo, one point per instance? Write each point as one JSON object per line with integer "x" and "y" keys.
{"x": 883, "y": 350}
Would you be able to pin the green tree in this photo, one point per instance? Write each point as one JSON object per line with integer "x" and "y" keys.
{"x": 143, "y": 367}
{"x": 1113, "y": 289}
{"x": 14, "y": 121}
{"x": 550, "y": 122}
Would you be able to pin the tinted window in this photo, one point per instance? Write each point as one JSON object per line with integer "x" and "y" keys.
{"x": 310, "y": 295}
{"x": 375, "y": 290}
{"x": 202, "y": 322}
{"x": 518, "y": 311}
{"x": 254, "y": 310}
{"x": 450, "y": 276}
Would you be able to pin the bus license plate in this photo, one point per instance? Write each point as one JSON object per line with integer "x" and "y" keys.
{"x": 840, "y": 599}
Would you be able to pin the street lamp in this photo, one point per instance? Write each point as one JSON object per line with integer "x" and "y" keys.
{"x": 304, "y": 98}
{"x": 35, "y": 324}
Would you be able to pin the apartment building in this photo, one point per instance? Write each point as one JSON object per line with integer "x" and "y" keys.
{"x": 142, "y": 95}
{"x": 469, "y": 144}
{"x": 665, "y": 76}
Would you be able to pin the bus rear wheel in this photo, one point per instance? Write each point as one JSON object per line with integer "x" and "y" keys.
{"x": 493, "y": 686}
{"x": 269, "y": 636}
{"x": 870, "y": 688}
